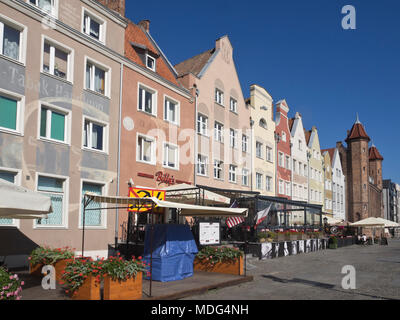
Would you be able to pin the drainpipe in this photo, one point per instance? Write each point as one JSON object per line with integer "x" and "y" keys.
{"x": 119, "y": 152}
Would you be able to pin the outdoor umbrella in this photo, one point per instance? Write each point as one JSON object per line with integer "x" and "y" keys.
{"x": 20, "y": 203}
{"x": 368, "y": 222}
{"x": 388, "y": 223}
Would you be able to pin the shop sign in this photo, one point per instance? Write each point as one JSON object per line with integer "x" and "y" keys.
{"x": 145, "y": 193}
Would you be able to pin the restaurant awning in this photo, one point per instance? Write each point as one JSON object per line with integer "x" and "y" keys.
{"x": 331, "y": 220}
{"x": 20, "y": 203}
{"x": 185, "y": 209}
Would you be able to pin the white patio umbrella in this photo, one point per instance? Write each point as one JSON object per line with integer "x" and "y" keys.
{"x": 388, "y": 223}
{"x": 331, "y": 220}
{"x": 368, "y": 222}
{"x": 20, "y": 203}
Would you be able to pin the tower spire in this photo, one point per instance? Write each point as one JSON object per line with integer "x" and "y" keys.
{"x": 358, "y": 119}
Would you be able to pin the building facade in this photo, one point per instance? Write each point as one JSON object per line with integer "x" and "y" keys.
{"x": 59, "y": 102}
{"x": 391, "y": 197}
{"x": 299, "y": 159}
{"x": 327, "y": 177}
{"x": 223, "y": 139}
{"x": 260, "y": 104}
{"x": 283, "y": 151}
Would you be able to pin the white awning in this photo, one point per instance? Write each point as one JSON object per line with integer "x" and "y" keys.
{"x": 331, "y": 220}
{"x": 368, "y": 222}
{"x": 185, "y": 209}
{"x": 20, "y": 203}
{"x": 388, "y": 223}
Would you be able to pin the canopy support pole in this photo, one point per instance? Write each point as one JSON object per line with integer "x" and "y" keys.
{"x": 151, "y": 248}
{"x": 86, "y": 202}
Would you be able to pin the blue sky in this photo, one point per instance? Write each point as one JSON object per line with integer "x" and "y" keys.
{"x": 299, "y": 51}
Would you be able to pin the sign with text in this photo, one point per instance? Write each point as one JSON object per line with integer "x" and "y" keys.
{"x": 209, "y": 233}
{"x": 144, "y": 193}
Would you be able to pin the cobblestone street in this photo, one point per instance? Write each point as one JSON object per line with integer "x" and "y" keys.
{"x": 317, "y": 275}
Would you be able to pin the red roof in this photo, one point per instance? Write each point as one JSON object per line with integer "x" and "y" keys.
{"x": 291, "y": 122}
{"x": 374, "y": 154}
{"x": 307, "y": 135}
{"x": 357, "y": 132}
{"x": 194, "y": 64}
{"x": 135, "y": 35}
{"x": 331, "y": 152}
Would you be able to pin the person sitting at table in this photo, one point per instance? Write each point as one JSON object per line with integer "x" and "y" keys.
{"x": 364, "y": 239}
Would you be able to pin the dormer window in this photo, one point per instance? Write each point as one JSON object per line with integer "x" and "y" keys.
{"x": 150, "y": 63}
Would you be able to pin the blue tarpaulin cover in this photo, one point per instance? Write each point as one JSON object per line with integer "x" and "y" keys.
{"x": 174, "y": 250}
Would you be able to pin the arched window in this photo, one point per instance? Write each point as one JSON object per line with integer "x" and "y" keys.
{"x": 263, "y": 123}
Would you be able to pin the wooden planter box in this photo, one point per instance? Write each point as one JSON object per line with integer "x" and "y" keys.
{"x": 281, "y": 237}
{"x": 236, "y": 267}
{"x": 90, "y": 290}
{"x": 59, "y": 266}
{"x": 302, "y": 236}
{"x": 291, "y": 237}
{"x": 130, "y": 289}
{"x": 36, "y": 270}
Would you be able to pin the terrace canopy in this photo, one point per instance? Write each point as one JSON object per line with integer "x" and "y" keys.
{"x": 368, "y": 222}
{"x": 20, "y": 203}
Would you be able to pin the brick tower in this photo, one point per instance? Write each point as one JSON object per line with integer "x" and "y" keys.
{"x": 357, "y": 167}
{"x": 376, "y": 208}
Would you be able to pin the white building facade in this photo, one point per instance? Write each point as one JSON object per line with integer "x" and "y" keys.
{"x": 338, "y": 188}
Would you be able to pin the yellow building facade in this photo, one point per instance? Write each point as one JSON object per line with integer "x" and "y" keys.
{"x": 315, "y": 173}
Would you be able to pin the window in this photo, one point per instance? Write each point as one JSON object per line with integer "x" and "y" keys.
{"x": 245, "y": 177}
{"x": 147, "y": 100}
{"x": 48, "y": 6}
{"x": 283, "y": 136}
{"x": 259, "y": 178}
{"x": 305, "y": 171}
{"x": 300, "y": 145}
{"x": 171, "y": 111}
{"x": 96, "y": 78}
{"x": 53, "y": 124}
{"x": 10, "y": 113}
{"x": 202, "y": 165}
{"x": 280, "y": 159}
{"x": 288, "y": 162}
{"x": 232, "y": 173}
{"x": 202, "y": 124}
{"x": 233, "y": 105}
{"x": 281, "y": 188}
{"x": 218, "y": 132}
{"x": 288, "y": 188}
{"x": 11, "y": 37}
{"x": 55, "y": 189}
{"x": 56, "y": 60}
{"x": 145, "y": 149}
{"x": 269, "y": 154}
{"x": 245, "y": 140}
{"x": 219, "y": 97}
{"x": 218, "y": 169}
{"x": 259, "y": 148}
{"x": 95, "y": 135}
{"x": 295, "y": 166}
{"x": 232, "y": 135}
{"x": 93, "y": 26}
{"x": 263, "y": 124}
{"x": 171, "y": 156}
{"x": 93, "y": 218}
{"x": 150, "y": 62}
{"x": 268, "y": 183}
{"x": 10, "y": 177}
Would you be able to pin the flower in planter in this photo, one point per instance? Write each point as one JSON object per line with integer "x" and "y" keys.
{"x": 119, "y": 269}
{"x": 48, "y": 256}
{"x": 10, "y": 285}
{"x": 213, "y": 255}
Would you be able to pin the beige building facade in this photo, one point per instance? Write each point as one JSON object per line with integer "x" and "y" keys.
{"x": 315, "y": 173}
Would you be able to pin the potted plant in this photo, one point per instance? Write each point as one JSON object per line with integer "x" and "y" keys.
{"x": 42, "y": 256}
{"x": 123, "y": 278}
{"x": 302, "y": 236}
{"x": 333, "y": 242}
{"x": 291, "y": 235}
{"x": 10, "y": 285}
{"x": 219, "y": 259}
{"x": 82, "y": 278}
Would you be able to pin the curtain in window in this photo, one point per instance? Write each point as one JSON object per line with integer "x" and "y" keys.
{"x": 60, "y": 64}
{"x": 92, "y": 217}
{"x": 88, "y": 75}
{"x": 97, "y": 137}
{"x": 54, "y": 188}
{"x": 8, "y": 113}
{"x": 148, "y": 102}
{"x": 45, "y": 5}
{"x": 99, "y": 80}
{"x": 11, "y": 42}
{"x": 10, "y": 177}
{"x": 146, "y": 150}
{"x": 94, "y": 29}
{"x": 170, "y": 156}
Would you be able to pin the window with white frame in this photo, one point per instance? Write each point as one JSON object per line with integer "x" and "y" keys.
{"x": 93, "y": 26}
{"x": 300, "y": 145}
{"x": 295, "y": 166}
{"x": 171, "y": 156}
{"x": 55, "y": 188}
{"x": 218, "y": 132}
{"x": 245, "y": 177}
{"x": 283, "y": 136}
{"x": 259, "y": 148}
{"x": 232, "y": 138}
{"x": 145, "y": 150}
{"x": 280, "y": 159}
{"x": 288, "y": 191}
{"x": 233, "y": 105}
{"x": 9, "y": 177}
{"x": 93, "y": 217}
{"x": 305, "y": 170}
{"x": 53, "y": 124}
{"x": 171, "y": 111}
{"x": 11, "y": 40}
{"x": 202, "y": 124}
{"x": 56, "y": 60}
{"x": 11, "y": 112}
{"x": 47, "y": 6}
{"x": 218, "y": 170}
{"x": 288, "y": 162}
{"x": 202, "y": 165}
{"x": 96, "y": 78}
{"x": 147, "y": 100}
{"x": 150, "y": 62}
{"x": 245, "y": 143}
{"x": 268, "y": 183}
{"x": 95, "y": 135}
{"x": 281, "y": 187}
{"x": 269, "y": 155}
{"x": 232, "y": 173}
{"x": 219, "y": 97}
{"x": 259, "y": 178}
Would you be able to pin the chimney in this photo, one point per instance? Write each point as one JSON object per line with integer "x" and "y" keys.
{"x": 115, "y": 5}
{"x": 145, "y": 24}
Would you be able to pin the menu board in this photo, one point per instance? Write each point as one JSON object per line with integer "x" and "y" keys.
{"x": 209, "y": 233}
